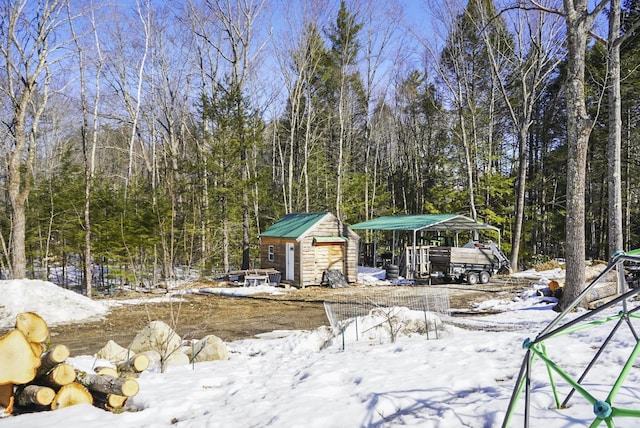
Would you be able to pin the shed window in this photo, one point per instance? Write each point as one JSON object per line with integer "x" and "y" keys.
{"x": 270, "y": 256}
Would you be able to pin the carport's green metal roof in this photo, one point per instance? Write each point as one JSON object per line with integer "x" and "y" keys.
{"x": 437, "y": 222}
{"x": 293, "y": 225}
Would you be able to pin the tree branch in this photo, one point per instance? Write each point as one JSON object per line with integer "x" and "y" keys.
{"x": 596, "y": 11}
{"x": 628, "y": 33}
{"x": 539, "y": 6}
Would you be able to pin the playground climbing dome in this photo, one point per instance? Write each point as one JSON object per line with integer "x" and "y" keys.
{"x": 612, "y": 398}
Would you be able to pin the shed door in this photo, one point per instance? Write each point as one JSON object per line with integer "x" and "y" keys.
{"x": 328, "y": 256}
{"x": 335, "y": 256}
{"x": 290, "y": 261}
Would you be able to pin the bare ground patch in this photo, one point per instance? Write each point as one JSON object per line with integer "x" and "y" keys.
{"x": 231, "y": 318}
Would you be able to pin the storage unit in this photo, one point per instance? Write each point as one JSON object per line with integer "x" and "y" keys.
{"x": 304, "y": 245}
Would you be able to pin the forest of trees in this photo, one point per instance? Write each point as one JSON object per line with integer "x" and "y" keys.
{"x": 152, "y": 136}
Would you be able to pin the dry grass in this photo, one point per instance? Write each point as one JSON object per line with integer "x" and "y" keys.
{"x": 549, "y": 265}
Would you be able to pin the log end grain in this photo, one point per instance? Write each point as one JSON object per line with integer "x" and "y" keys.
{"x": 70, "y": 395}
{"x": 32, "y": 326}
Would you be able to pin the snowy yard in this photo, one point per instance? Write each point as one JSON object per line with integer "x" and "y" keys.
{"x": 465, "y": 378}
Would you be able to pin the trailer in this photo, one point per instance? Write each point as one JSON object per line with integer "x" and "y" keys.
{"x": 411, "y": 232}
{"x": 474, "y": 263}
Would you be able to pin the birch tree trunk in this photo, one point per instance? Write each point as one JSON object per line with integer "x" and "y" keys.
{"x": 133, "y": 105}
{"x": 614, "y": 147}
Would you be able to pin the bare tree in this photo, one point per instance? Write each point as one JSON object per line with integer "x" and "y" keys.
{"x": 614, "y": 147}
{"x": 579, "y": 22}
{"x": 457, "y": 71}
{"x": 298, "y": 51}
{"x": 88, "y": 132}
{"x": 124, "y": 69}
{"x": 234, "y": 22}
{"x": 381, "y": 24}
{"x": 207, "y": 63}
{"x": 533, "y": 58}
{"x": 28, "y": 50}
{"x": 168, "y": 117}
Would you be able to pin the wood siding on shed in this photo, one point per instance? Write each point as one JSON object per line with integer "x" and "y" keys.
{"x": 313, "y": 258}
{"x": 279, "y": 256}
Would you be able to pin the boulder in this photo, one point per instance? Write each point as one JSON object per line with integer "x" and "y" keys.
{"x": 114, "y": 352}
{"x": 155, "y": 336}
{"x": 177, "y": 358}
{"x": 209, "y": 348}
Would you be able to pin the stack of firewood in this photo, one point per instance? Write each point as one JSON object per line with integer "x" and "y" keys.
{"x": 34, "y": 376}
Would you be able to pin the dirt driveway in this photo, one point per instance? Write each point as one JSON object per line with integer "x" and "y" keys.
{"x": 194, "y": 316}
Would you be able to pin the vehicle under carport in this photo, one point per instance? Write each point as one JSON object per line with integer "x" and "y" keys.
{"x": 426, "y": 240}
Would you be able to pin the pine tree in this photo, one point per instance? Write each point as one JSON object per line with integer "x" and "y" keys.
{"x": 345, "y": 95}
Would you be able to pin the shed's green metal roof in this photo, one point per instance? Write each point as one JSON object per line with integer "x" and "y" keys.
{"x": 293, "y": 225}
{"x": 438, "y": 222}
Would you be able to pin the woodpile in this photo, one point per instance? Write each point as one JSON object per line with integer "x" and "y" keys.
{"x": 35, "y": 375}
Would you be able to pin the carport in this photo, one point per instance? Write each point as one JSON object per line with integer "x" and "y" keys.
{"x": 423, "y": 222}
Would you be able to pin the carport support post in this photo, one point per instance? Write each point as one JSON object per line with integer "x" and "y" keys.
{"x": 375, "y": 248}
{"x": 414, "y": 257}
{"x": 393, "y": 247}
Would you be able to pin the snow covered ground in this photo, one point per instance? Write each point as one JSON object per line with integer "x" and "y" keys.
{"x": 465, "y": 378}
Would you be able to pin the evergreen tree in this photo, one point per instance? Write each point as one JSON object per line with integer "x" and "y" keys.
{"x": 345, "y": 98}
{"x": 233, "y": 134}
{"x": 418, "y": 162}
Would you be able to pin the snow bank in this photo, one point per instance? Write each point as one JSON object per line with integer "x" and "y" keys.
{"x": 54, "y": 304}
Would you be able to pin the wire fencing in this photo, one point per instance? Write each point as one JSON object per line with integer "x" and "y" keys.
{"x": 383, "y": 314}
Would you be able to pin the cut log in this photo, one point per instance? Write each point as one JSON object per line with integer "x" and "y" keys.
{"x": 109, "y": 401}
{"x": 137, "y": 364}
{"x": 54, "y": 356}
{"x": 70, "y": 395}
{"x": 34, "y": 395}
{"x": 60, "y": 375}
{"x": 6, "y": 397}
{"x": 33, "y": 327}
{"x": 155, "y": 359}
{"x": 109, "y": 384}
{"x": 37, "y": 348}
{"x": 106, "y": 371}
{"x": 18, "y": 363}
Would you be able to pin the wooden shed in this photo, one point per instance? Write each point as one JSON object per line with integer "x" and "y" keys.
{"x": 302, "y": 246}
